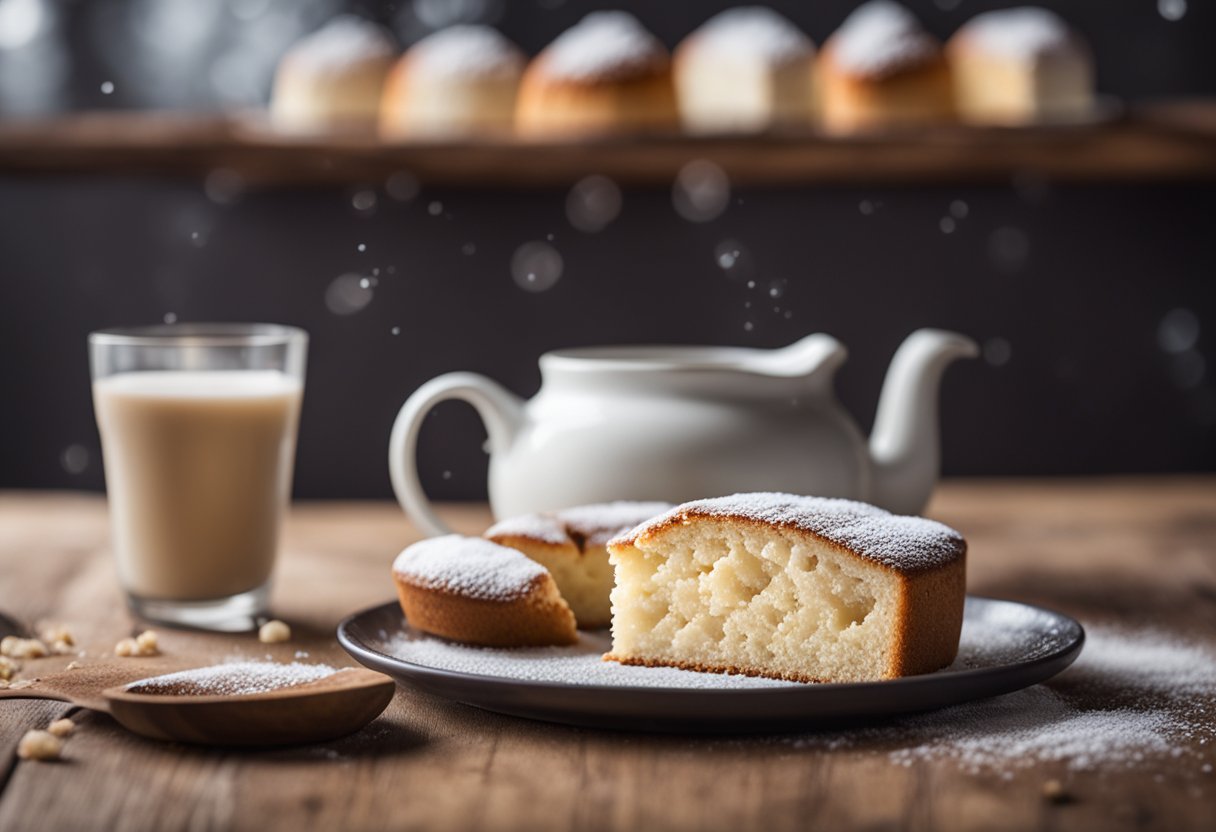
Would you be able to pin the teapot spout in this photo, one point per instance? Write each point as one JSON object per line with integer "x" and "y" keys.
{"x": 904, "y": 446}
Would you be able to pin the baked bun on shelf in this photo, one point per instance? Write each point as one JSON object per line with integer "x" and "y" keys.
{"x": 332, "y": 80}
{"x": 800, "y": 588}
{"x": 606, "y": 75}
{"x": 573, "y": 545}
{"x": 460, "y": 81}
{"x": 1020, "y": 66}
{"x": 746, "y": 70}
{"x": 881, "y": 69}
{"x": 471, "y": 590}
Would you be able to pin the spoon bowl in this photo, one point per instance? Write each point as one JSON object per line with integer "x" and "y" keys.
{"x": 323, "y": 709}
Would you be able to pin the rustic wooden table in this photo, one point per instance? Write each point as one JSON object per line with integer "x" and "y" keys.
{"x": 1142, "y": 550}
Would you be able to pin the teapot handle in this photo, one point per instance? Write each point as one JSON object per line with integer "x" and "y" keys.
{"x": 501, "y": 410}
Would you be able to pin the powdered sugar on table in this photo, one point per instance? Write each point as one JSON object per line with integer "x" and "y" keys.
{"x": 233, "y": 679}
{"x": 1133, "y": 696}
{"x": 469, "y": 566}
{"x": 907, "y": 544}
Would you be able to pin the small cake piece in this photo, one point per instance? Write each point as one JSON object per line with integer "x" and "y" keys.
{"x": 745, "y": 70}
{"x": 460, "y": 81}
{"x": 144, "y": 644}
{"x": 332, "y": 80}
{"x": 39, "y": 745}
{"x": 1018, "y": 66}
{"x": 471, "y": 590}
{"x": 274, "y": 631}
{"x": 881, "y": 69}
{"x": 605, "y": 75}
{"x": 801, "y": 588}
{"x": 61, "y": 727}
{"x": 573, "y": 545}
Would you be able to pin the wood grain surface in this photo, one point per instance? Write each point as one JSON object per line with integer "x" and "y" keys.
{"x": 1161, "y": 141}
{"x": 1141, "y": 551}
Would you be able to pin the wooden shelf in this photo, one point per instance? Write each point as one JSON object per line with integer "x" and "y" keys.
{"x": 1163, "y": 142}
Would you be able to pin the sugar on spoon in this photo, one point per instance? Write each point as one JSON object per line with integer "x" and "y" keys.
{"x": 324, "y": 708}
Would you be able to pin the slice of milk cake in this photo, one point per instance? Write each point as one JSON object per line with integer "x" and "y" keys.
{"x": 799, "y": 588}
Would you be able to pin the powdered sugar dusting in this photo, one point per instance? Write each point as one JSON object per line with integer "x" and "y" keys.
{"x": 994, "y": 633}
{"x": 604, "y": 45}
{"x": 1021, "y": 34}
{"x": 1133, "y": 696}
{"x": 879, "y": 38}
{"x": 580, "y": 665}
{"x": 469, "y": 566}
{"x": 467, "y": 51}
{"x": 907, "y": 544}
{"x": 596, "y": 523}
{"x": 233, "y": 679}
{"x": 754, "y": 32}
{"x": 342, "y": 43}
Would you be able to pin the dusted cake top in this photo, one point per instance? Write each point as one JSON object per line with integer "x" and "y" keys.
{"x": 604, "y": 46}
{"x": 753, "y": 33}
{"x": 880, "y": 38}
{"x": 1020, "y": 34}
{"x": 341, "y": 44}
{"x": 905, "y": 544}
{"x": 469, "y": 566}
{"x": 466, "y": 51}
{"x": 594, "y": 524}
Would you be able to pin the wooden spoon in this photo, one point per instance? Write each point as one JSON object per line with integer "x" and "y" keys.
{"x": 325, "y": 709}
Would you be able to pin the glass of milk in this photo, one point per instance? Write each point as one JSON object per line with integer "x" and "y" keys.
{"x": 198, "y": 435}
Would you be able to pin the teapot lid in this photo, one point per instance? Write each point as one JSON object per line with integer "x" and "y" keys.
{"x": 803, "y": 358}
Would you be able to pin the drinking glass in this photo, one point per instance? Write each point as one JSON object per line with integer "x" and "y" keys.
{"x": 198, "y": 434}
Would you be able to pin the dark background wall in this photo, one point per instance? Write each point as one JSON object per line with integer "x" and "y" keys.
{"x": 1096, "y": 304}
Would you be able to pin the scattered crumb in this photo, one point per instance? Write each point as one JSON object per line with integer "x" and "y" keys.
{"x": 8, "y": 668}
{"x": 73, "y": 665}
{"x": 22, "y": 648}
{"x": 39, "y": 745}
{"x": 22, "y": 685}
{"x": 273, "y": 632}
{"x": 1054, "y": 792}
{"x": 144, "y": 644}
{"x": 59, "y": 637}
{"x": 61, "y": 727}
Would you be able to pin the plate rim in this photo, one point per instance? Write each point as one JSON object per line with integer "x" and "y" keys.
{"x": 1066, "y": 654}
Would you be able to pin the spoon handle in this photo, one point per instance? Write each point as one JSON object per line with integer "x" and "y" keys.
{"x": 83, "y": 685}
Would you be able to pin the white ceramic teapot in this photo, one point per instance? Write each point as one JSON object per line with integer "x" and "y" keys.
{"x": 680, "y": 423}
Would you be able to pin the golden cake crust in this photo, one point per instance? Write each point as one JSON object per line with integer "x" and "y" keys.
{"x": 475, "y": 591}
{"x": 554, "y": 106}
{"x": 921, "y": 94}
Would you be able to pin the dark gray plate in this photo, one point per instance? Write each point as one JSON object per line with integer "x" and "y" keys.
{"x": 1005, "y": 646}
